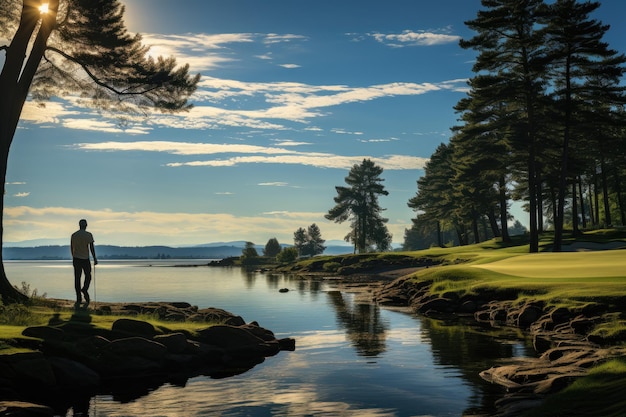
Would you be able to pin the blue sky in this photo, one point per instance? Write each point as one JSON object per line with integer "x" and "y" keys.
{"x": 292, "y": 94}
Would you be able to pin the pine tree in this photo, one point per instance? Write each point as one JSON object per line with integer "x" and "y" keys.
{"x": 576, "y": 52}
{"x": 359, "y": 203}
{"x": 512, "y": 65}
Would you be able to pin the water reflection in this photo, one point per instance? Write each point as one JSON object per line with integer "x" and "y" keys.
{"x": 362, "y": 322}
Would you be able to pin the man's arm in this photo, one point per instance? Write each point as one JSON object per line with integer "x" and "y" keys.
{"x": 93, "y": 253}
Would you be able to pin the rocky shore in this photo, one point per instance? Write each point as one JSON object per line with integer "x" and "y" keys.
{"x": 69, "y": 361}
{"x": 565, "y": 348}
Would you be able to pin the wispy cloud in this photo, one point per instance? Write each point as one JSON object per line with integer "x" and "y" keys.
{"x": 20, "y": 195}
{"x": 148, "y": 228}
{"x": 274, "y": 184}
{"x": 264, "y": 154}
{"x": 414, "y": 38}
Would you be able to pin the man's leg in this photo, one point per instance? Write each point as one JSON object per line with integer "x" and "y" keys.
{"x": 87, "y": 270}
{"x": 78, "y": 270}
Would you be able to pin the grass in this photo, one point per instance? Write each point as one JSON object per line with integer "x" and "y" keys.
{"x": 600, "y": 393}
{"x": 13, "y": 324}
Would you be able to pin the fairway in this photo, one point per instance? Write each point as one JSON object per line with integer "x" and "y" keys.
{"x": 563, "y": 265}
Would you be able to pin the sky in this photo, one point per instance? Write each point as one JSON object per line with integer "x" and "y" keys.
{"x": 292, "y": 94}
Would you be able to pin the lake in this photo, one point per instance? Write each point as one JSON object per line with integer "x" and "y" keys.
{"x": 352, "y": 357}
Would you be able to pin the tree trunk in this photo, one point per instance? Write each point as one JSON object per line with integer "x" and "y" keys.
{"x": 592, "y": 217}
{"x": 605, "y": 192}
{"x": 596, "y": 197}
{"x": 575, "y": 230}
{"x": 618, "y": 191}
{"x": 582, "y": 202}
{"x": 15, "y": 81}
{"x": 504, "y": 216}
{"x": 439, "y": 236}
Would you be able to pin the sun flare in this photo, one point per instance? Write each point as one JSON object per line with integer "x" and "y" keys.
{"x": 43, "y": 9}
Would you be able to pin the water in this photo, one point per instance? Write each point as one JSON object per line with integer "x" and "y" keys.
{"x": 352, "y": 358}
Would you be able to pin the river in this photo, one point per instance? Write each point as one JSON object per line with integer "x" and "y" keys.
{"x": 352, "y": 358}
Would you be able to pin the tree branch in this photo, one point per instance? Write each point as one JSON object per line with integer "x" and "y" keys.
{"x": 99, "y": 82}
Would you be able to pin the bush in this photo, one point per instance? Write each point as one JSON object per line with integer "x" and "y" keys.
{"x": 287, "y": 255}
{"x": 331, "y": 266}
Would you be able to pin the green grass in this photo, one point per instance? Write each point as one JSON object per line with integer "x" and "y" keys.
{"x": 600, "y": 393}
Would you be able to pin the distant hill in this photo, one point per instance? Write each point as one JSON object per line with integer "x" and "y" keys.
{"x": 206, "y": 251}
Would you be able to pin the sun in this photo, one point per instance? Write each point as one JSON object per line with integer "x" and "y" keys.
{"x": 43, "y": 9}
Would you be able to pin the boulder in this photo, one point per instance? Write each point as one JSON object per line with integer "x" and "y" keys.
{"x": 70, "y": 373}
{"x": 237, "y": 340}
{"x": 29, "y": 367}
{"x": 44, "y": 332}
{"x": 174, "y": 342}
{"x": 137, "y": 346}
{"x": 24, "y": 409}
{"x": 134, "y": 327}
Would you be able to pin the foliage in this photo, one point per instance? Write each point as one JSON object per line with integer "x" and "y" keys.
{"x": 359, "y": 203}
{"x": 542, "y": 122}
{"x": 287, "y": 255}
{"x": 272, "y": 248}
{"x": 332, "y": 266}
{"x": 309, "y": 242}
{"x": 249, "y": 254}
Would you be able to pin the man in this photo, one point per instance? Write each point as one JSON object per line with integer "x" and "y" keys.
{"x": 81, "y": 244}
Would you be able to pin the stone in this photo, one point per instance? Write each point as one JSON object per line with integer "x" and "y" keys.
{"x": 70, "y": 373}
{"x": 24, "y": 409}
{"x": 138, "y": 346}
{"x": 135, "y": 327}
{"x": 174, "y": 342}
{"x": 27, "y": 367}
{"x": 44, "y": 332}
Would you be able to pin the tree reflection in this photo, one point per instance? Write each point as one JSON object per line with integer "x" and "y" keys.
{"x": 363, "y": 324}
{"x": 471, "y": 349}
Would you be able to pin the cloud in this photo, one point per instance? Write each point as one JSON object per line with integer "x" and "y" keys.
{"x": 289, "y": 142}
{"x": 412, "y": 38}
{"x": 149, "y": 228}
{"x": 20, "y": 195}
{"x": 274, "y": 184}
{"x": 290, "y": 66}
{"x": 318, "y": 160}
{"x": 262, "y": 154}
{"x": 201, "y": 51}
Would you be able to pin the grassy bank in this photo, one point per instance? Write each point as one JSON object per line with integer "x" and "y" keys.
{"x": 592, "y": 270}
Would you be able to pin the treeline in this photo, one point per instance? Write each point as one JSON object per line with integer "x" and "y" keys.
{"x": 62, "y": 252}
{"x": 543, "y": 122}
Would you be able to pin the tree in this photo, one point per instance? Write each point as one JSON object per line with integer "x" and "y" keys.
{"x": 577, "y": 55}
{"x": 287, "y": 255}
{"x": 249, "y": 254}
{"x": 272, "y": 248}
{"x": 309, "y": 242}
{"x": 512, "y": 67}
{"x": 78, "y": 47}
{"x": 359, "y": 203}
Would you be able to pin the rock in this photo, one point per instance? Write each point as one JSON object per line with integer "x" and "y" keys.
{"x": 134, "y": 327}
{"x": 441, "y": 305}
{"x": 138, "y": 346}
{"x": 30, "y": 368}
{"x": 24, "y": 409}
{"x": 70, "y": 373}
{"x": 528, "y": 315}
{"x": 44, "y": 332}
{"x": 174, "y": 342}
{"x": 237, "y": 340}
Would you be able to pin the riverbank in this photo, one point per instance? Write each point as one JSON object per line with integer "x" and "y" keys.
{"x": 572, "y": 304}
{"x": 127, "y": 347}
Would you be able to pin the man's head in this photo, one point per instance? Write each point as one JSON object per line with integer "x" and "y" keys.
{"x": 82, "y": 223}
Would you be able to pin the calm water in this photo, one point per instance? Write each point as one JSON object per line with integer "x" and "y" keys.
{"x": 352, "y": 358}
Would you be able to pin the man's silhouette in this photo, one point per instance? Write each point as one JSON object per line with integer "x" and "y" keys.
{"x": 81, "y": 244}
